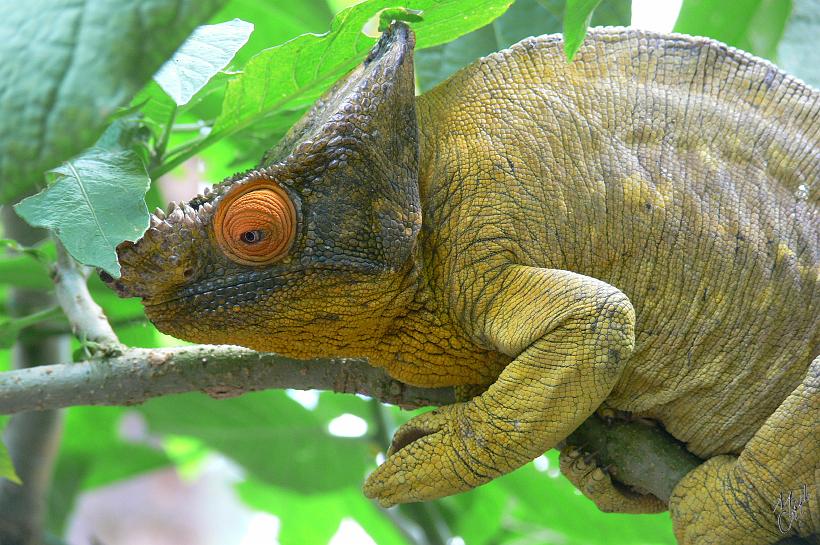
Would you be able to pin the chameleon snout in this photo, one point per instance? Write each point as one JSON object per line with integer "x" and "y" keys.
{"x": 164, "y": 259}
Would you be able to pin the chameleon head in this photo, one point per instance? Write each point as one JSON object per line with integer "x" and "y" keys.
{"x": 316, "y": 246}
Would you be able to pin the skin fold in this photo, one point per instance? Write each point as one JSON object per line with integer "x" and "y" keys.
{"x": 638, "y": 229}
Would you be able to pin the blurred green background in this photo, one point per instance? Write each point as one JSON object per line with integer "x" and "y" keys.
{"x": 286, "y": 467}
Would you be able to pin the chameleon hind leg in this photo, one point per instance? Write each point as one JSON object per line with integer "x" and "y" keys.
{"x": 766, "y": 493}
{"x": 595, "y": 483}
{"x": 569, "y": 336}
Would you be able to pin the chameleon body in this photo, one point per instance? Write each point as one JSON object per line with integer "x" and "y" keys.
{"x": 638, "y": 229}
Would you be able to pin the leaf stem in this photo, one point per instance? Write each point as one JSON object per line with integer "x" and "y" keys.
{"x": 191, "y": 127}
{"x": 179, "y": 155}
{"x": 63, "y": 328}
{"x": 162, "y": 144}
{"x": 36, "y": 317}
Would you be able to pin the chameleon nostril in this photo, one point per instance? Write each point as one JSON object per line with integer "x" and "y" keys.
{"x": 188, "y": 273}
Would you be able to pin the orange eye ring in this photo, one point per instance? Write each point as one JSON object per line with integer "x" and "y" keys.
{"x": 256, "y": 224}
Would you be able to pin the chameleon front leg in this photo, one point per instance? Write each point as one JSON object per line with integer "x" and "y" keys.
{"x": 569, "y": 336}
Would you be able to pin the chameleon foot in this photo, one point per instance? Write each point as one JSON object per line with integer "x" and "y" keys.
{"x": 426, "y": 459}
{"x": 595, "y": 483}
{"x": 713, "y": 505}
{"x": 767, "y": 492}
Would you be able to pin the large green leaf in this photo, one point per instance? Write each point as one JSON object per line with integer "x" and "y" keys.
{"x": 95, "y": 203}
{"x": 275, "y": 21}
{"x": 315, "y": 518}
{"x": 294, "y": 74}
{"x": 546, "y": 503}
{"x": 270, "y": 435}
{"x": 207, "y": 51}
{"x": 67, "y": 65}
{"x": 479, "y": 517}
{"x": 799, "y": 43}
{"x": 753, "y": 25}
{"x": 297, "y": 72}
{"x": 524, "y": 18}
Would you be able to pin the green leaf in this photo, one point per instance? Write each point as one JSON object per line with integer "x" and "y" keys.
{"x": 297, "y": 513}
{"x": 524, "y": 18}
{"x": 271, "y": 436}
{"x": 752, "y": 25}
{"x": 155, "y": 106}
{"x": 96, "y": 202}
{"x": 6, "y": 467}
{"x": 209, "y": 49}
{"x": 294, "y": 74}
{"x": 576, "y": 21}
{"x": 478, "y": 517}
{"x": 67, "y": 65}
{"x": 389, "y": 15}
{"x": 275, "y": 23}
{"x": 93, "y": 454}
{"x": 799, "y": 44}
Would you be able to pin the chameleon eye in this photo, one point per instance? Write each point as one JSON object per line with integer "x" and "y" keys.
{"x": 256, "y": 224}
{"x": 252, "y": 237}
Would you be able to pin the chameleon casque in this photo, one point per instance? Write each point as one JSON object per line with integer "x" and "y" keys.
{"x": 638, "y": 229}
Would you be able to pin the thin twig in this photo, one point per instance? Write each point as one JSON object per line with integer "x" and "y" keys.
{"x": 88, "y": 322}
{"x": 162, "y": 144}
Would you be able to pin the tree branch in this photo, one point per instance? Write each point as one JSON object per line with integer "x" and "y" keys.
{"x": 139, "y": 374}
{"x": 644, "y": 456}
{"x": 641, "y": 456}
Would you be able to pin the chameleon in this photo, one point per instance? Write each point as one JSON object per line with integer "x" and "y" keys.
{"x": 635, "y": 230}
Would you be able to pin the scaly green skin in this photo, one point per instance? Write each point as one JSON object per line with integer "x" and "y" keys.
{"x": 638, "y": 228}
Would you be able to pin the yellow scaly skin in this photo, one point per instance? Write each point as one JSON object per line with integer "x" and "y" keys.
{"x": 639, "y": 227}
